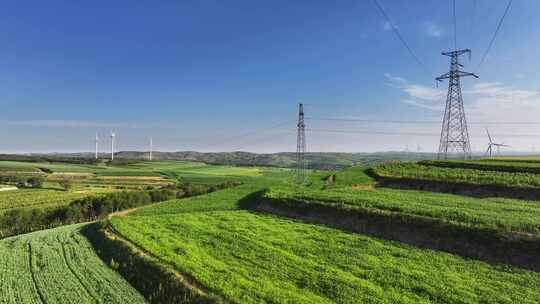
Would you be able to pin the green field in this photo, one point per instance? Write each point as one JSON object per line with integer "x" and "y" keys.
{"x": 457, "y": 175}
{"x": 44, "y": 198}
{"x": 494, "y": 213}
{"x": 243, "y": 256}
{"x": 136, "y": 169}
{"x": 58, "y": 266}
{"x": 251, "y": 258}
{"x": 487, "y": 165}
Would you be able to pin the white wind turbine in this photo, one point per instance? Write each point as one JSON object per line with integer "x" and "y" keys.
{"x": 112, "y": 144}
{"x": 151, "y": 148}
{"x": 97, "y": 143}
{"x": 492, "y": 144}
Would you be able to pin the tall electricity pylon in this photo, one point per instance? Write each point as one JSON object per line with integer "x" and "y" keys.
{"x": 300, "y": 147}
{"x": 454, "y": 133}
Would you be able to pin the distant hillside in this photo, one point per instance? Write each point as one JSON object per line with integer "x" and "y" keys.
{"x": 318, "y": 160}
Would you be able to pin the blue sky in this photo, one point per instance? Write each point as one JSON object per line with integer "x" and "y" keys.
{"x": 227, "y": 75}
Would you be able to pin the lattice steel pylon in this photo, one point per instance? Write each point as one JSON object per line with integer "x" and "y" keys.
{"x": 300, "y": 174}
{"x": 454, "y": 133}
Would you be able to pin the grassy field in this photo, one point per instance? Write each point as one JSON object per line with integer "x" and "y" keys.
{"x": 495, "y": 213}
{"x": 252, "y": 258}
{"x": 228, "y": 199}
{"x": 248, "y": 257}
{"x": 457, "y": 175}
{"x": 44, "y": 198}
{"x": 58, "y": 266}
{"x": 487, "y": 165}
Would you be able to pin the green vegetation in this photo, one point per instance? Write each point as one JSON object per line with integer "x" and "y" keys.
{"x": 524, "y": 158}
{"x": 89, "y": 208}
{"x": 58, "y": 266}
{"x": 494, "y": 213}
{"x": 44, "y": 198}
{"x": 220, "y": 244}
{"x": 457, "y": 175}
{"x": 251, "y": 258}
{"x": 491, "y": 165}
{"x": 229, "y": 199}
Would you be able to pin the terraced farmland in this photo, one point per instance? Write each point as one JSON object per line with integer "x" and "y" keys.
{"x": 494, "y": 213}
{"x": 250, "y": 258}
{"x": 457, "y": 175}
{"x": 487, "y": 165}
{"x": 58, "y": 266}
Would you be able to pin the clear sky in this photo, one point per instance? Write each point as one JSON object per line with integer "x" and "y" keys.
{"x": 227, "y": 75}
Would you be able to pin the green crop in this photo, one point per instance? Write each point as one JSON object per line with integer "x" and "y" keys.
{"x": 457, "y": 175}
{"x": 253, "y": 258}
{"x": 494, "y": 213}
{"x": 58, "y": 266}
{"x": 44, "y": 198}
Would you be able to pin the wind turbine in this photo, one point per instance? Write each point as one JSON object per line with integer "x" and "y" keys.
{"x": 112, "y": 144}
{"x": 97, "y": 143}
{"x": 492, "y": 144}
{"x": 151, "y": 148}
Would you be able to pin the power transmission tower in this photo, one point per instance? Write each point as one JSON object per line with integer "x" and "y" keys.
{"x": 454, "y": 133}
{"x": 300, "y": 147}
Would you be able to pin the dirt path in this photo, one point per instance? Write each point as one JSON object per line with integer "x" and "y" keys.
{"x": 122, "y": 212}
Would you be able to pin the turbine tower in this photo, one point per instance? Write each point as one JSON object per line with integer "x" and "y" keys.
{"x": 151, "y": 148}
{"x": 112, "y": 144}
{"x": 97, "y": 143}
{"x": 300, "y": 147}
{"x": 454, "y": 133}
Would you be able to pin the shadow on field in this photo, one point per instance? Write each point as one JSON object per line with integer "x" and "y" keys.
{"x": 250, "y": 201}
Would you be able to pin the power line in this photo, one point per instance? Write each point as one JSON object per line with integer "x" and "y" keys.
{"x": 400, "y": 37}
{"x": 418, "y": 121}
{"x": 407, "y": 133}
{"x": 254, "y": 132}
{"x": 495, "y": 34}
{"x": 473, "y": 17}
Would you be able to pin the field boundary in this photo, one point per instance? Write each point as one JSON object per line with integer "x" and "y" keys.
{"x": 484, "y": 244}
{"x": 152, "y": 278}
